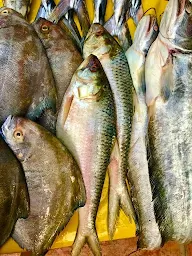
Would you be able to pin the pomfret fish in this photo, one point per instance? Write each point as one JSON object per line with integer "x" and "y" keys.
{"x": 100, "y": 9}
{"x": 54, "y": 182}
{"x": 169, "y": 97}
{"x": 86, "y": 124}
{"x": 100, "y": 43}
{"x": 24, "y": 90}
{"x": 138, "y": 175}
{"x": 63, "y": 55}
{"x": 21, "y": 6}
{"x": 14, "y": 198}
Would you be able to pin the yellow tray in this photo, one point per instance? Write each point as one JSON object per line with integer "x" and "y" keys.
{"x": 125, "y": 229}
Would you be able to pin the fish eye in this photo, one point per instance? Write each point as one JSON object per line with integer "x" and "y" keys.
{"x": 45, "y": 29}
{"x": 5, "y": 11}
{"x": 18, "y": 134}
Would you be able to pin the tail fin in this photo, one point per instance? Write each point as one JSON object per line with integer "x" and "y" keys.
{"x": 90, "y": 238}
{"x": 118, "y": 193}
{"x": 100, "y": 9}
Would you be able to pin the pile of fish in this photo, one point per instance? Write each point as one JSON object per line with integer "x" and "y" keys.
{"x": 78, "y": 104}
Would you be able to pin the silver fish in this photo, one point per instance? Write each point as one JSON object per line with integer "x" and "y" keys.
{"x": 169, "y": 98}
{"x": 138, "y": 175}
{"x": 100, "y": 8}
{"x": 86, "y": 124}
{"x": 100, "y": 43}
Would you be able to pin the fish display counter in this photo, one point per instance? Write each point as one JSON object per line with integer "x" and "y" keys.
{"x": 125, "y": 227}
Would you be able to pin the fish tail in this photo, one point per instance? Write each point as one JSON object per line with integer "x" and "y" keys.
{"x": 100, "y": 10}
{"x": 113, "y": 212}
{"x": 119, "y": 200}
{"x": 90, "y": 238}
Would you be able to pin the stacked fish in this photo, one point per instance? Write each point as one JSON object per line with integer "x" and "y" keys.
{"x": 126, "y": 109}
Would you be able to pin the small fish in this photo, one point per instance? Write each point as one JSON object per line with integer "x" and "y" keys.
{"x": 114, "y": 62}
{"x": 138, "y": 175}
{"x": 169, "y": 98}
{"x": 14, "y": 198}
{"x": 80, "y": 8}
{"x": 117, "y": 24}
{"x": 86, "y": 124}
{"x": 63, "y": 55}
{"x": 136, "y": 10}
{"x": 54, "y": 181}
{"x": 21, "y": 6}
{"x": 26, "y": 80}
{"x": 100, "y": 9}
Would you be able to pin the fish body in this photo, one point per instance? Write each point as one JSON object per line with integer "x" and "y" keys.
{"x": 24, "y": 90}
{"x": 100, "y": 9}
{"x": 138, "y": 175}
{"x": 100, "y": 43}
{"x": 86, "y": 124}
{"x": 169, "y": 97}
{"x": 54, "y": 182}
{"x": 63, "y": 55}
{"x": 14, "y": 198}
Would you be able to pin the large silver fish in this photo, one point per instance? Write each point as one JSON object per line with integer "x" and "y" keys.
{"x": 54, "y": 181}
{"x": 100, "y": 43}
{"x": 86, "y": 124}
{"x": 138, "y": 175}
{"x": 169, "y": 97}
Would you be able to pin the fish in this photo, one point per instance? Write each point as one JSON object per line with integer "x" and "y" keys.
{"x": 168, "y": 96}
{"x": 117, "y": 24}
{"x": 100, "y": 9}
{"x": 138, "y": 174}
{"x": 21, "y": 6}
{"x": 45, "y": 9}
{"x": 79, "y": 6}
{"x": 64, "y": 58}
{"x": 86, "y": 125}
{"x": 136, "y": 10}
{"x": 55, "y": 184}
{"x": 113, "y": 60}
{"x": 24, "y": 90}
{"x": 14, "y": 198}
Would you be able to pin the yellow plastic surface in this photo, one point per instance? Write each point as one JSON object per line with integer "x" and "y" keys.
{"x": 125, "y": 228}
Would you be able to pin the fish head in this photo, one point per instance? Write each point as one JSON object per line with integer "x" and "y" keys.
{"x": 6, "y": 16}
{"x": 146, "y": 32}
{"x": 99, "y": 42}
{"x": 89, "y": 80}
{"x": 19, "y": 134}
{"x": 176, "y": 24}
{"x": 47, "y": 31}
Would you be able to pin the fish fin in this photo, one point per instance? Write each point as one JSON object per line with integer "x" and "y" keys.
{"x": 64, "y": 110}
{"x": 23, "y": 207}
{"x": 100, "y": 10}
{"x": 118, "y": 193}
{"x": 90, "y": 237}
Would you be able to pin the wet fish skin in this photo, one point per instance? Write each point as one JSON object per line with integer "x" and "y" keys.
{"x": 138, "y": 175}
{"x": 169, "y": 101}
{"x": 88, "y": 104}
{"x": 54, "y": 182}
{"x": 136, "y": 10}
{"x": 63, "y": 55}
{"x": 21, "y": 6}
{"x": 24, "y": 90}
{"x": 100, "y": 43}
{"x": 100, "y": 9}
{"x": 14, "y": 198}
